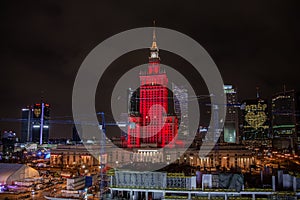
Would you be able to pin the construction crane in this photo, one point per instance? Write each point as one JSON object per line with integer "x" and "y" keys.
{"x": 102, "y": 128}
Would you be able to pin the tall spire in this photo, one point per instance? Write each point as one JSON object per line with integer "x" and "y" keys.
{"x": 154, "y": 49}
{"x": 154, "y": 45}
{"x": 257, "y": 92}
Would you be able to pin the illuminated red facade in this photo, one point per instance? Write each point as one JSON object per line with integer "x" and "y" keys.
{"x": 153, "y": 126}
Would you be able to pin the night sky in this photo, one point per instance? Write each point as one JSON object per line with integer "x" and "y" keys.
{"x": 43, "y": 43}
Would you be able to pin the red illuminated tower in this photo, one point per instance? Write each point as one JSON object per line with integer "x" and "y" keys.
{"x": 153, "y": 126}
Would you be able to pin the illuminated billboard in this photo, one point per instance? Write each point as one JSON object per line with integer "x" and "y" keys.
{"x": 255, "y": 119}
{"x": 37, "y": 111}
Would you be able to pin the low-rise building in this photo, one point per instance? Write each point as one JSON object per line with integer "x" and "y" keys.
{"x": 9, "y": 173}
{"x": 226, "y": 156}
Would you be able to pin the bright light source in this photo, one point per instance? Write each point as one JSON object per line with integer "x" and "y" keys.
{"x": 121, "y": 124}
{"x": 148, "y": 150}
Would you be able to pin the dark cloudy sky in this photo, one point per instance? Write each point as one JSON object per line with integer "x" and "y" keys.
{"x": 43, "y": 43}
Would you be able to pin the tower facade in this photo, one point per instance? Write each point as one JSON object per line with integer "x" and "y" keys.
{"x": 231, "y": 125}
{"x": 181, "y": 107}
{"x": 284, "y": 121}
{"x": 26, "y": 126}
{"x": 40, "y": 121}
{"x": 35, "y": 118}
{"x": 152, "y": 124}
{"x": 256, "y": 122}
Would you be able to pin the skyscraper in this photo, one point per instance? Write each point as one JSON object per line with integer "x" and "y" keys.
{"x": 256, "y": 121}
{"x": 284, "y": 120}
{"x": 33, "y": 118}
{"x": 181, "y": 107}
{"x": 26, "y": 126}
{"x": 231, "y": 125}
{"x": 153, "y": 123}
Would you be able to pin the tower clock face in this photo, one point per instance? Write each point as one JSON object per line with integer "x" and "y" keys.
{"x": 153, "y": 55}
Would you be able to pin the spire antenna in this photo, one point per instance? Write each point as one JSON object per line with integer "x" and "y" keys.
{"x": 154, "y": 31}
{"x": 42, "y": 96}
{"x": 154, "y": 57}
{"x": 154, "y": 45}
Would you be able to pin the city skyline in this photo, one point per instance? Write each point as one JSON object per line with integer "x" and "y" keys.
{"x": 150, "y": 100}
{"x": 253, "y": 45}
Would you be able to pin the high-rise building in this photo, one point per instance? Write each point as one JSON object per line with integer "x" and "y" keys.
{"x": 231, "y": 125}
{"x": 256, "y": 121}
{"x": 181, "y": 107}
{"x": 33, "y": 118}
{"x": 26, "y": 126}
{"x": 284, "y": 120}
{"x": 133, "y": 101}
{"x": 152, "y": 123}
{"x": 297, "y": 112}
